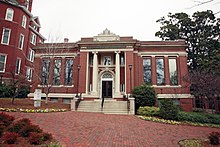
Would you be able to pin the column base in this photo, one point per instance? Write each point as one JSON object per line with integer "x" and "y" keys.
{"x": 94, "y": 93}
{"x": 118, "y": 95}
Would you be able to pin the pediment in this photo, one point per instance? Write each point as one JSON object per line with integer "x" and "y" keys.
{"x": 106, "y": 35}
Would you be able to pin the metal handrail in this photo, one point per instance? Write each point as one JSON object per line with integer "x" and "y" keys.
{"x": 102, "y": 104}
{"x": 79, "y": 98}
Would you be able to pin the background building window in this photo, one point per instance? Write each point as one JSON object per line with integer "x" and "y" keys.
{"x": 24, "y": 21}
{"x": 18, "y": 66}
{"x": 147, "y": 70}
{"x": 9, "y": 14}
{"x": 68, "y": 72}
{"x": 57, "y": 72}
{"x": 29, "y": 73}
{"x": 2, "y": 62}
{"x": 33, "y": 38}
{"x": 6, "y": 36}
{"x": 160, "y": 71}
{"x": 45, "y": 71}
{"x": 31, "y": 55}
{"x": 21, "y": 41}
{"x": 173, "y": 71}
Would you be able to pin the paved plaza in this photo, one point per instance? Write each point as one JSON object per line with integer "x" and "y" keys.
{"x": 99, "y": 130}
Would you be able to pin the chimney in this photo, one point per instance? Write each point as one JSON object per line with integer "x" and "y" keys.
{"x": 66, "y": 40}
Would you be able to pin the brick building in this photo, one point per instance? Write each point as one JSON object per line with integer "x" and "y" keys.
{"x": 109, "y": 66}
{"x": 19, "y": 31}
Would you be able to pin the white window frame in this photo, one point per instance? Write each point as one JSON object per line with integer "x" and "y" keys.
{"x": 3, "y": 34}
{"x": 8, "y": 11}
{"x": 29, "y": 73}
{"x": 21, "y": 42}
{"x": 17, "y": 71}
{"x": 31, "y": 55}
{"x": 4, "y": 63}
{"x": 33, "y": 38}
{"x": 24, "y": 21}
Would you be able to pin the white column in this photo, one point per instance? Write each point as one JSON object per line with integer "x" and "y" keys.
{"x": 117, "y": 75}
{"x": 95, "y": 74}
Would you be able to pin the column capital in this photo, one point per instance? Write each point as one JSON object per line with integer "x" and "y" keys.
{"x": 95, "y": 52}
{"x": 117, "y": 52}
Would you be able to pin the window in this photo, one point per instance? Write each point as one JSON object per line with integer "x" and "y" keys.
{"x": 6, "y": 36}
{"x": 2, "y": 62}
{"x": 147, "y": 70}
{"x": 57, "y": 72}
{"x": 9, "y": 14}
{"x": 29, "y": 73}
{"x": 33, "y": 38}
{"x": 69, "y": 72}
{"x": 122, "y": 60}
{"x": 45, "y": 71}
{"x": 24, "y": 21}
{"x": 173, "y": 71}
{"x": 160, "y": 71}
{"x": 21, "y": 41}
{"x": 27, "y": 4}
{"x": 107, "y": 60}
{"x": 18, "y": 66}
{"x": 31, "y": 55}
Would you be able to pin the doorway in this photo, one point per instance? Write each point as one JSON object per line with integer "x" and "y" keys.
{"x": 107, "y": 89}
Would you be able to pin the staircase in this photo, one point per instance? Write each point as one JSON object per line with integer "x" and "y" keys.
{"x": 109, "y": 107}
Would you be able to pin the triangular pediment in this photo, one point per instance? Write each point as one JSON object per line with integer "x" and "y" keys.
{"x": 106, "y": 35}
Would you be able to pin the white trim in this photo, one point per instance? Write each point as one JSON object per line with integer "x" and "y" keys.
{"x": 162, "y": 54}
{"x": 174, "y": 96}
{"x": 4, "y": 62}
{"x": 7, "y": 12}
{"x": 33, "y": 38}
{"x": 20, "y": 46}
{"x": 167, "y": 86}
{"x": 9, "y": 34}
{"x": 55, "y": 55}
{"x": 104, "y": 50}
{"x": 87, "y": 73}
{"x": 24, "y": 21}
{"x": 58, "y": 95}
{"x": 17, "y": 71}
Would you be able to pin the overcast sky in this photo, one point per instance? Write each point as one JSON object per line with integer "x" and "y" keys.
{"x": 74, "y": 19}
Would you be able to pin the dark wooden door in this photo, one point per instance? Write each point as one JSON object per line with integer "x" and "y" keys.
{"x": 107, "y": 89}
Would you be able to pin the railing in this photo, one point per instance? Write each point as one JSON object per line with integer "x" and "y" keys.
{"x": 102, "y": 104}
{"x": 79, "y": 98}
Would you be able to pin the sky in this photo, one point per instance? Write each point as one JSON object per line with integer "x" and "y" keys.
{"x": 74, "y": 19}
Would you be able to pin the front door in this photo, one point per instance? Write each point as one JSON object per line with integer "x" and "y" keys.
{"x": 107, "y": 89}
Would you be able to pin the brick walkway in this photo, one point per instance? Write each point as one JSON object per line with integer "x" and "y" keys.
{"x": 98, "y": 130}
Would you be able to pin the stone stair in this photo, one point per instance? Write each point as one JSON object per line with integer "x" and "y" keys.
{"x": 109, "y": 107}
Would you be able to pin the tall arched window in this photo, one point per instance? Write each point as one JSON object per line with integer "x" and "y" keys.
{"x": 9, "y": 14}
{"x": 24, "y": 21}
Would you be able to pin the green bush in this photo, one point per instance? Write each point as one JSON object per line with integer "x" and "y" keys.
{"x": 26, "y": 130}
{"x": 144, "y": 96}
{"x": 23, "y": 91}
{"x": 52, "y": 144}
{"x": 199, "y": 117}
{"x": 168, "y": 110}
{"x": 148, "y": 111}
{"x": 6, "y": 90}
{"x": 20, "y": 124}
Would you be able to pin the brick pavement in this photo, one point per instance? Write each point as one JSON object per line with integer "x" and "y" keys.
{"x": 99, "y": 130}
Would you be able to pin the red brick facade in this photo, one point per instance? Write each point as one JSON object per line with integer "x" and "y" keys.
{"x": 17, "y": 24}
{"x": 92, "y": 55}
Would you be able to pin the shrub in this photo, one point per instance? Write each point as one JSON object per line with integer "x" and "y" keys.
{"x": 23, "y": 91}
{"x": 168, "y": 110}
{"x": 20, "y": 124}
{"x": 214, "y": 138}
{"x": 144, "y": 96}
{"x": 46, "y": 136}
{"x": 199, "y": 117}
{"x": 6, "y": 119}
{"x": 26, "y": 130}
{"x": 148, "y": 111}
{"x": 10, "y": 137}
{"x": 35, "y": 138}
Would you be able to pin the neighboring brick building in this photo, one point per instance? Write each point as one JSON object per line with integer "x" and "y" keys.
{"x": 110, "y": 66}
{"x": 19, "y": 31}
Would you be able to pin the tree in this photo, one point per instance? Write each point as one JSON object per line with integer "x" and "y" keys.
{"x": 49, "y": 72}
{"x": 201, "y": 32}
